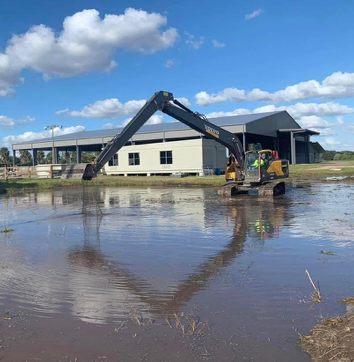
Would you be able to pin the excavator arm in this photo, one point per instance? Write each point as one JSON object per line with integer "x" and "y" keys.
{"x": 165, "y": 102}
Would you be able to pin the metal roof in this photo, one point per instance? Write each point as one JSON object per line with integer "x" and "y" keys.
{"x": 161, "y": 127}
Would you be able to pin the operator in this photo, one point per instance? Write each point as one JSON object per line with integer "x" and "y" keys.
{"x": 256, "y": 163}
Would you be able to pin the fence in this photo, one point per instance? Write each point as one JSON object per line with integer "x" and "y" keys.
{"x": 28, "y": 172}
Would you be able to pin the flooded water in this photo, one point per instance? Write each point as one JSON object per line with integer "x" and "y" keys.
{"x": 118, "y": 274}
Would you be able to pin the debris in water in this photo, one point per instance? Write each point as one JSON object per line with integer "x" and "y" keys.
{"x": 327, "y": 252}
{"x": 6, "y": 230}
{"x": 316, "y": 296}
{"x": 349, "y": 300}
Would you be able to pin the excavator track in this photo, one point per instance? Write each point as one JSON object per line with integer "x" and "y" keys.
{"x": 273, "y": 188}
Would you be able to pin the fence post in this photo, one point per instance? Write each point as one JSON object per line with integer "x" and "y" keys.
{"x": 5, "y": 173}
{"x": 29, "y": 171}
{"x": 51, "y": 171}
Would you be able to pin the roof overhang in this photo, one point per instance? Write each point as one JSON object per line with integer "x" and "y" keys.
{"x": 302, "y": 131}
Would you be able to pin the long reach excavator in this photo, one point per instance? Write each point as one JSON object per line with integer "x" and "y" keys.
{"x": 257, "y": 170}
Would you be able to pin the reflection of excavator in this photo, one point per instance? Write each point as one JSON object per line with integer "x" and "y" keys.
{"x": 243, "y": 219}
{"x": 241, "y": 178}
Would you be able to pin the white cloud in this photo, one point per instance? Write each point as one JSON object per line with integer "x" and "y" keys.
{"x": 108, "y": 108}
{"x": 184, "y": 101}
{"x": 30, "y": 136}
{"x": 307, "y": 109}
{"x": 340, "y": 119}
{"x": 254, "y": 14}
{"x": 308, "y": 115}
{"x": 331, "y": 142}
{"x": 297, "y": 110}
{"x": 228, "y": 94}
{"x": 109, "y": 125}
{"x": 155, "y": 119}
{"x": 86, "y": 43}
{"x": 170, "y": 63}
{"x": 313, "y": 121}
{"x": 62, "y": 111}
{"x": 193, "y": 42}
{"x": 111, "y": 109}
{"x": 9, "y": 75}
{"x": 236, "y": 112}
{"x": 12, "y": 123}
{"x": 337, "y": 85}
{"x": 217, "y": 44}
{"x": 350, "y": 128}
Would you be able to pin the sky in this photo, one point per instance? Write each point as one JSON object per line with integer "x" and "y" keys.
{"x": 88, "y": 65}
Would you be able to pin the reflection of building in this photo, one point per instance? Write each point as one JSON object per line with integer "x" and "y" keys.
{"x": 170, "y": 147}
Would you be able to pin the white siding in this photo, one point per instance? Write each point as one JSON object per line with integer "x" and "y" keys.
{"x": 189, "y": 156}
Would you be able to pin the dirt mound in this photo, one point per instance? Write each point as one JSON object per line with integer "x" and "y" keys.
{"x": 333, "y": 339}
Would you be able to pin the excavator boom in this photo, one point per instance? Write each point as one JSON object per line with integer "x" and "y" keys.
{"x": 165, "y": 102}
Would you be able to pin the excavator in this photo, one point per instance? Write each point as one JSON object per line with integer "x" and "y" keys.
{"x": 258, "y": 170}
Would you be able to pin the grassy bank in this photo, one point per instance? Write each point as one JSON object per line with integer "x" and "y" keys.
{"x": 297, "y": 172}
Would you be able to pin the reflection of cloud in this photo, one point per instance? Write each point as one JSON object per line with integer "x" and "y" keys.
{"x": 331, "y": 217}
{"x": 93, "y": 298}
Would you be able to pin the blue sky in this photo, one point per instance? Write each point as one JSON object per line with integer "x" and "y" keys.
{"x": 221, "y": 57}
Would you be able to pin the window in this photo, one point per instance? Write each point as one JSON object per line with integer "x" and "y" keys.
{"x": 166, "y": 157}
{"x": 134, "y": 159}
{"x": 113, "y": 161}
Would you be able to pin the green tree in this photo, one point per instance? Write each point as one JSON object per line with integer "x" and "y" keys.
{"x": 40, "y": 157}
{"x": 48, "y": 158}
{"x": 329, "y": 155}
{"x": 87, "y": 157}
{"x": 5, "y": 156}
{"x": 25, "y": 158}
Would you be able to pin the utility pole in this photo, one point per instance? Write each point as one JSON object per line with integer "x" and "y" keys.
{"x": 53, "y": 127}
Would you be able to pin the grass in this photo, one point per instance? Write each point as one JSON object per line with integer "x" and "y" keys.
{"x": 297, "y": 172}
{"x": 332, "y": 340}
{"x": 316, "y": 171}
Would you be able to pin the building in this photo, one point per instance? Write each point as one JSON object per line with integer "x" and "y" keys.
{"x": 173, "y": 147}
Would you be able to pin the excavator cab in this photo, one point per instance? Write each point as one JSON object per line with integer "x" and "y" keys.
{"x": 264, "y": 165}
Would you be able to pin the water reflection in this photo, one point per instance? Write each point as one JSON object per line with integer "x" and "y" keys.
{"x": 262, "y": 220}
{"x": 100, "y": 253}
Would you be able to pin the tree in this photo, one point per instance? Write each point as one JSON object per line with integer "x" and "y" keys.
{"x": 5, "y": 156}
{"x": 88, "y": 157}
{"x": 25, "y": 158}
{"x": 48, "y": 158}
{"x": 40, "y": 157}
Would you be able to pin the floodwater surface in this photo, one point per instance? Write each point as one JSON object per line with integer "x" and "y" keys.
{"x": 130, "y": 274}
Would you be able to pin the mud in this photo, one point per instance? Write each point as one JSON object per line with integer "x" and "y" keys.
{"x": 114, "y": 274}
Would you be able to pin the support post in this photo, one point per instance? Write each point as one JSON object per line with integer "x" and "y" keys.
{"x": 34, "y": 158}
{"x": 14, "y": 158}
{"x": 56, "y": 155}
{"x": 293, "y": 148}
{"x": 244, "y": 142}
{"x": 78, "y": 154}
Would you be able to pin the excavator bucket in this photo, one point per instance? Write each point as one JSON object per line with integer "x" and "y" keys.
{"x": 82, "y": 171}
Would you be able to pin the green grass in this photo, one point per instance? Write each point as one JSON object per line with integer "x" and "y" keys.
{"x": 313, "y": 171}
{"x": 46, "y": 184}
{"x": 297, "y": 172}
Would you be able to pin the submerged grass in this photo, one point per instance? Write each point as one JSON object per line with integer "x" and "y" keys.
{"x": 297, "y": 172}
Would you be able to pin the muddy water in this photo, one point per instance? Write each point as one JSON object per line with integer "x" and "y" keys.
{"x": 115, "y": 274}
